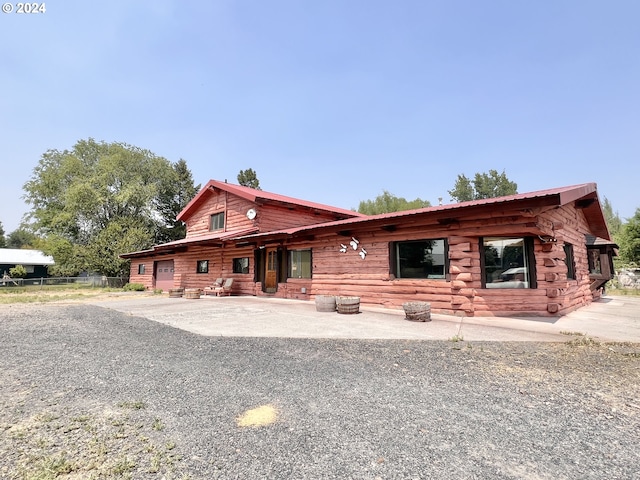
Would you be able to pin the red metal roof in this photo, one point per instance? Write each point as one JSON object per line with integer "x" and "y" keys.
{"x": 258, "y": 196}
{"x": 553, "y": 197}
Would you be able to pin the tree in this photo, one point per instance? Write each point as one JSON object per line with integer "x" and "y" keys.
{"x": 3, "y": 241}
{"x": 76, "y": 195}
{"x": 614, "y": 223}
{"x": 21, "y": 238}
{"x": 121, "y": 235}
{"x": 630, "y": 240}
{"x": 249, "y": 178}
{"x": 178, "y": 190}
{"x": 387, "y": 202}
{"x": 484, "y": 185}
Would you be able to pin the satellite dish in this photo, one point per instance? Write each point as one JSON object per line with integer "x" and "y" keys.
{"x": 251, "y": 214}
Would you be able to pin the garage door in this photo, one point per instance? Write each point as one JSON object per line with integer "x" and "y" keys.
{"x": 164, "y": 275}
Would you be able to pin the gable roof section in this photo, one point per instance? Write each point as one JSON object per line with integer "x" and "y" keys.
{"x": 258, "y": 196}
{"x": 585, "y": 195}
{"x": 19, "y": 256}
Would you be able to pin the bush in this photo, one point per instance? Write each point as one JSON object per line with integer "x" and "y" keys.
{"x": 18, "y": 272}
{"x": 133, "y": 287}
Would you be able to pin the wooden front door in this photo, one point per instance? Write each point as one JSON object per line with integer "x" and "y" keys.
{"x": 271, "y": 270}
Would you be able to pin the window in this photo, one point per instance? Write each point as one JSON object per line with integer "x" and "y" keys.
{"x": 571, "y": 265}
{"x": 299, "y": 264}
{"x": 141, "y": 269}
{"x": 216, "y": 222}
{"x": 203, "y": 266}
{"x": 241, "y": 265}
{"x": 506, "y": 262}
{"x": 420, "y": 259}
{"x": 595, "y": 267}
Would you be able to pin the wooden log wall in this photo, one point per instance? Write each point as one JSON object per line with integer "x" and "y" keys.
{"x": 568, "y": 225}
{"x": 220, "y": 266}
{"x": 273, "y": 217}
{"x": 235, "y": 209}
{"x": 147, "y": 277}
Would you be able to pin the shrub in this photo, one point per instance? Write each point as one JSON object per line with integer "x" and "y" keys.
{"x": 18, "y": 272}
{"x": 134, "y": 287}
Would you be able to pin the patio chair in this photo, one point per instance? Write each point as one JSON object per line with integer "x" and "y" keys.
{"x": 225, "y": 289}
{"x": 211, "y": 289}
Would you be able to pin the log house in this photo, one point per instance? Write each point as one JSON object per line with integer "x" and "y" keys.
{"x": 542, "y": 253}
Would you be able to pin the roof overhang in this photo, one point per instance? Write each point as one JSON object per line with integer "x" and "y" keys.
{"x": 214, "y": 239}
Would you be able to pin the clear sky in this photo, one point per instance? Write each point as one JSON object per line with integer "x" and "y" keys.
{"x": 332, "y": 101}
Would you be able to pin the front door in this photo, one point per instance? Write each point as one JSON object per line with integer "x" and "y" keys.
{"x": 271, "y": 271}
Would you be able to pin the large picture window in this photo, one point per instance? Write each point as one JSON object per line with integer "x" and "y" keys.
{"x": 420, "y": 259}
{"x": 507, "y": 262}
{"x": 216, "y": 222}
{"x": 299, "y": 265}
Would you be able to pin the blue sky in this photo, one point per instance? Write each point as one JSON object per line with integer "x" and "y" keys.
{"x": 332, "y": 101}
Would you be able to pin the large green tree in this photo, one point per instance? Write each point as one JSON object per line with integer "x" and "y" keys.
{"x": 629, "y": 241}
{"x": 3, "y": 241}
{"x": 249, "y": 178}
{"x": 387, "y": 202}
{"x": 99, "y": 194}
{"x": 483, "y": 185}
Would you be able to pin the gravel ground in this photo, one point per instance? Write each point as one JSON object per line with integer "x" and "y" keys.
{"x": 88, "y": 392}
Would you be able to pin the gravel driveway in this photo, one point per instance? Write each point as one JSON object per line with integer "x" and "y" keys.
{"x": 88, "y": 392}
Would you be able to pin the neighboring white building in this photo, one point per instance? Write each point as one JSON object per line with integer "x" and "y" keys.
{"x": 34, "y": 261}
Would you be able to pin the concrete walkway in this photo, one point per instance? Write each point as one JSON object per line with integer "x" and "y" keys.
{"x": 611, "y": 319}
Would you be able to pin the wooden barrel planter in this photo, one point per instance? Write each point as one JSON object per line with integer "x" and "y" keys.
{"x": 417, "y": 311}
{"x": 348, "y": 305}
{"x": 191, "y": 293}
{"x": 176, "y": 292}
{"x": 325, "y": 303}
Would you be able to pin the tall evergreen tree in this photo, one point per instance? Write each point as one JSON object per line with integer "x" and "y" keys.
{"x": 614, "y": 223}
{"x": 249, "y": 178}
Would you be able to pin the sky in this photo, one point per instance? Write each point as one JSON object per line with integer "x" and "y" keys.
{"x": 332, "y": 101}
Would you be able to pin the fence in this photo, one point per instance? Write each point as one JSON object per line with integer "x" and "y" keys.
{"x": 90, "y": 281}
